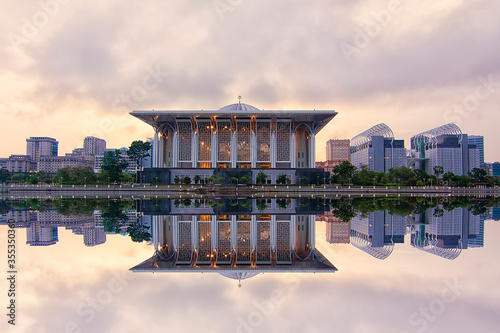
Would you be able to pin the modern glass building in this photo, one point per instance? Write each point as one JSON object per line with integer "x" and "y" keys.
{"x": 444, "y": 146}
{"x": 239, "y": 138}
{"x": 377, "y": 149}
{"x": 478, "y": 141}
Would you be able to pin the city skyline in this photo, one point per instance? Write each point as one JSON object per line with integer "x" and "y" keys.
{"x": 380, "y": 61}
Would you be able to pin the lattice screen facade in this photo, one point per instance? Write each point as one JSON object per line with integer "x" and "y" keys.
{"x": 185, "y": 135}
{"x": 224, "y": 243}
{"x": 283, "y": 242}
{"x": 224, "y": 141}
{"x": 283, "y": 130}
{"x": 244, "y": 134}
{"x": 263, "y": 241}
{"x": 184, "y": 251}
{"x": 204, "y": 141}
{"x": 204, "y": 241}
{"x": 263, "y": 141}
{"x": 244, "y": 248}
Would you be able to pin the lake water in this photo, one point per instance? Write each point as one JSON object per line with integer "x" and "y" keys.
{"x": 237, "y": 266}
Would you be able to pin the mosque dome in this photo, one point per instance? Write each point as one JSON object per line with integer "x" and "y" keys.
{"x": 238, "y": 275}
{"x": 238, "y": 107}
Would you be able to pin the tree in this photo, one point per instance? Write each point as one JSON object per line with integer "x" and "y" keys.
{"x": 261, "y": 205}
{"x": 186, "y": 180}
{"x": 221, "y": 179}
{"x": 233, "y": 180}
{"x": 244, "y": 179}
{"x": 4, "y": 175}
{"x": 478, "y": 175}
{"x": 113, "y": 165}
{"x": 138, "y": 232}
{"x": 20, "y": 177}
{"x": 345, "y": 171}
{"x": 138, "y": 150}
{"x": 304, "y": 180}
{"x": 261, "y": 177}
{"x": 177, "y": 179}
{"x": 197, "y": 179}
{"x": 282, "y": 179}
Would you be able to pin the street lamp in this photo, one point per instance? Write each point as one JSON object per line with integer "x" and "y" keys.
{"x": 85, "y": 178}
{"x": 60, "y": 178}
{"x": 108, "y": 181}
{"x": 374, "y": 179}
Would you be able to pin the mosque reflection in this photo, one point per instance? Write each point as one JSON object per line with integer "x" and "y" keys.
{"x": 238, "y": 239}
{"x": 242, "y": 237}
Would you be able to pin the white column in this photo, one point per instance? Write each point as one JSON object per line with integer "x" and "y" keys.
{"x": 253, "y": 149}
{"x": 234, "y": 233}
{"x": 293, "y": 225}
{"x": 312, "y": 231}
{"x": 194, "y": 149}
{"x": 253, "y": 233}
{"x": 175, "y": 150}
{"x": 274, "y": 145}
{"x": 214, "y": 231}
{"x": 213, "y": 149}
{"x": 155, "y": 150}
{"x": 293, "y": 153}
{"x": 234, "y": 149}
{"x": 274, "y": 238}
{"x": 194, "y": 233}
{"x": 312, "y": 151}
{"x": 161, "y": 151}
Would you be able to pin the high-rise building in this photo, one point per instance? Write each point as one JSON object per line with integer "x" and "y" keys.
{"x": 93, "y": 146}
{"x": 495, "y": 169}
{"x": 377, "y": 149}
{"x": 478, "y": 141}
{"x": 41, "y": 146}
{"x": 338, "y": 150}
{"x": 376, "y": 233}
{"x": 338, "y": 232}
{"x": 38, "y": 235}
{"x": 21, "y": 164}
{"x": 444, "y": 146}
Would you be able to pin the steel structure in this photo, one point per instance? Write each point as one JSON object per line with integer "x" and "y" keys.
{"x": 428, "y": 138}
{"x": 366, "y": 136}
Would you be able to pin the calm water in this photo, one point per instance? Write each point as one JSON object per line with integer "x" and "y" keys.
{"x": 354, "y": 268}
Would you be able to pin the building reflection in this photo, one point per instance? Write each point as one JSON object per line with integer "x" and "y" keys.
{"x": 255, "y": 240}
{"x": 445, "y": 233}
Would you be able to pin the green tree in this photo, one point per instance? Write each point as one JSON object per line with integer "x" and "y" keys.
{"x": 261, "y": 177}
{"x": 478, "y": 175}
{"x": 244, "y": 179}
{"x": 345, "y": 171}
{"x": 113, "y": 165}
{"x": 233, "y": 180}
{"x": 304, "y": 180}
{"x": 186, "y": 180}
{"x": 138, "y": 150}
{"x": 20, "y": 177}
{"x": 221, "y": 179}
{"x": 282, "y": 179}
{"x": 177, "y": 179}
{"x": 138, "y": 232}
{"x": 5, "y": 175}
{"x": 197, "y": 179}
{"x": 261, "y": 205}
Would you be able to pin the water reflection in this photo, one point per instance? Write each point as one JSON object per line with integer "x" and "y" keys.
{"x": 241, "y": 238}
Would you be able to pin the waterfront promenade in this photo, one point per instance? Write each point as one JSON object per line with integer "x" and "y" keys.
{"x": 131, "y": 191}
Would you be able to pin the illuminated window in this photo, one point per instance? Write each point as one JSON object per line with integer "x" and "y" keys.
{"x": 224, "y": 141}
{"x": 204, "y": 141}
{"x": 263, "y": 141}
{"x": 243, "y": 141}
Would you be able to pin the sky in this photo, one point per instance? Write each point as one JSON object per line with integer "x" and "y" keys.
{"x": 68, "y": 287}
{"x": 70, "y": 68}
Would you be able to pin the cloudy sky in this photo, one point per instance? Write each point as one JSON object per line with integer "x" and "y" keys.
{"x": 69, "y": 69}
{"x": 68, "y": 287}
